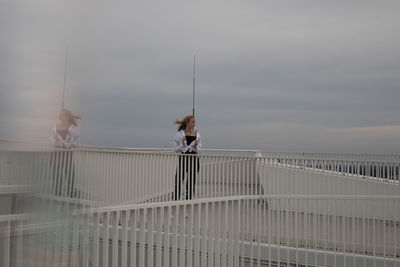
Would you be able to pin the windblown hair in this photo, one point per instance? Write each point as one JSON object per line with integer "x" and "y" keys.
{"x": 182, "y": 123}
{"x": 71, "y": 117}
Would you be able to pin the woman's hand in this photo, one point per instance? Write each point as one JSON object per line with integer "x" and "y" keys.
{"x": 56, "y": 137}
{"x": 196, "y": 143}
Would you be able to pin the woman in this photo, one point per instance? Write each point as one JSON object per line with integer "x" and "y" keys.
{"x": 187, "y": 141}
{"x": 65, "y": 135}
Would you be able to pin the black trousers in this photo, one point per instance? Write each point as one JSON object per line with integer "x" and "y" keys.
{"x": 187, "y": 170}
{"x": 63, "y": 173}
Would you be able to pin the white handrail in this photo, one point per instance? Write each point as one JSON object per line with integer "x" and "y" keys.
{"x": 241, "y": 206}
{"x": 237, "y": 229}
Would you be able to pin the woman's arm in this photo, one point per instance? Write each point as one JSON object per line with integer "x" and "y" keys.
{"x": 73, "y": 137}
{"x": 55, "y": 138}
{"x": 180, "y": 144}
{"x": 199, "y": 143}
{"x": 196, "y": 144}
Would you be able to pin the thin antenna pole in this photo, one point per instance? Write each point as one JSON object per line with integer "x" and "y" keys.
{"x": 194, "y": 79}
{"x": 65, "y": 77}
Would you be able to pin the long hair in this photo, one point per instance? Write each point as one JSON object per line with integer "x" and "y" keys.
{"x": 71, "y": 117}
{"x": 182, "y": 123}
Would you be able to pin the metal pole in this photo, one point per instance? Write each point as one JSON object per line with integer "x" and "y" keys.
{"x": 65, "y": 77}
{"x": 194, "y": 79}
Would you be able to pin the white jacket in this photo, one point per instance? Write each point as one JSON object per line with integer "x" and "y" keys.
{"x": 72, "y": 139}
{"x": 179, "y": 147}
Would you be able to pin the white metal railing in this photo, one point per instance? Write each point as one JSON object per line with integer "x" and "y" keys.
{"x": 114, "y": 177}
{"x": 384, "y": 169}
{"x": 328, "y": 177}
{"x": 236, "y": 231}
{"x": 228, "y": 231}
{"x": 16, "y": 145}
{"x": 43, "y": 237}
{"x": 111, "y": 177}
{"x": 332, "y": 156}
{"x": 302, "y": 203}
{"x": 11, "y": 239}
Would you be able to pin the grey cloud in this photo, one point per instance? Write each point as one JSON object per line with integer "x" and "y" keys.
{"x": 290, "y": 71}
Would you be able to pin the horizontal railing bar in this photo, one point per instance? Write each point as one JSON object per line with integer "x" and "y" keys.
{"x": 67, "y": 199}
{"x": 119, "y": 208}
{"x": 310, "y": 155}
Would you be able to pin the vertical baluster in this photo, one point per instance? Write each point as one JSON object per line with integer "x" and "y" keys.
{"x": 211, "y": 234}
{"x": 159, "y": 235}
{"x": 189, "y": 232}
{"x": 105, "y": 237}
{"x": 159, "y": 177}
{"x": 297, "y": 228}
{"x": 167, "y": 231}
{"x": 142, "y": 236}
{"x": 96, "y": 240}
{"x": 7, "y": 244}
{"x": 396, "y": 235}
{"x": 174, "y": 241}
{"x": 77, "y": 246}
{"x": 196, "y": 221}
{"x": 150, "y": 238}
{"x": 204, "y": 234}
{"x": 125, "y": 171}
{"x": 124, "y": 238}
{"x": 133, "y": 217}
{"x": 85, "y": 239}
{"x": 183, "y": 210}
{"x": 114, "y": 254}
{"x": 151, "y": 174}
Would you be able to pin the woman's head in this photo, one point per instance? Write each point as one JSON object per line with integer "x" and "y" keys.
{"x": 187, "y": 122}
{"x": 67, "y": 117}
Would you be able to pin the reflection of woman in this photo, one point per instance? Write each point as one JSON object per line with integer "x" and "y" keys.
{"x": 187, "y": 141}
{"x": 65, "y": 135}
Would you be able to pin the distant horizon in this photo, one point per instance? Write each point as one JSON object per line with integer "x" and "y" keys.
{"x": 49, "y": 144}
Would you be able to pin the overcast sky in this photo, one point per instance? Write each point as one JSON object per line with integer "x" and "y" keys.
{"x": 273, "y": 75}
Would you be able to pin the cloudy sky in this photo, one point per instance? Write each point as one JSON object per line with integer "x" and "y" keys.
{"x": 273, "y": 75}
